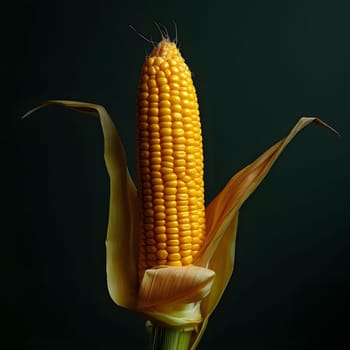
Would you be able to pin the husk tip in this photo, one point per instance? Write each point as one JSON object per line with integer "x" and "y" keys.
{"x": 322, "y": 123}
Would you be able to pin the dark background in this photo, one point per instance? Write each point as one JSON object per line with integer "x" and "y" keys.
{"x": 257, "y": 66}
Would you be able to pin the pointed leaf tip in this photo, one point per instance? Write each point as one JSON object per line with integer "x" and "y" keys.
{"x": 319, "y": 122}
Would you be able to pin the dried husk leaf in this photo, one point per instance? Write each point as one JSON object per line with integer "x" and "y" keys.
{"x": 171, "y": 295}
{"x": 166, "y": 284}
{"x": 222, "y": 218}
{"x": 121, "y": 242}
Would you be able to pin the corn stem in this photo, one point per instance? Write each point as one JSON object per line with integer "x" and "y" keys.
{"x": 162, "y": 338}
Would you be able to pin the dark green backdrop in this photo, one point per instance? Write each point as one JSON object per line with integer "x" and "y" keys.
{"x": 258, "y": 66}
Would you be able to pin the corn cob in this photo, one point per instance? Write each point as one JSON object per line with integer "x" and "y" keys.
{"x": 169, "y": 161}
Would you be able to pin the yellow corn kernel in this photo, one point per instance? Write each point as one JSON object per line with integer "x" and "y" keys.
{"x": 169, "y": 161}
